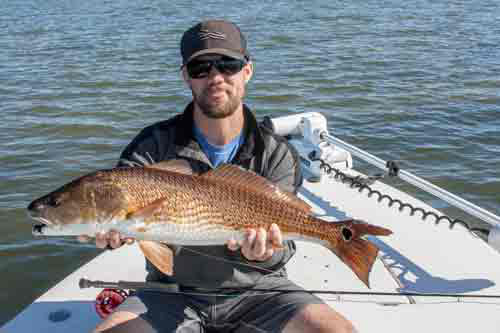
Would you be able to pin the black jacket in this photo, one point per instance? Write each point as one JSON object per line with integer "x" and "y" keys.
{"x": 262, "y": 152}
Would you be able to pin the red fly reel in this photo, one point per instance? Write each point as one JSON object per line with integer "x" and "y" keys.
{"x": 108, "y": 300}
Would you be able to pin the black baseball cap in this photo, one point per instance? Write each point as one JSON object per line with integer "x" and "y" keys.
{"x": 214, "y": 36}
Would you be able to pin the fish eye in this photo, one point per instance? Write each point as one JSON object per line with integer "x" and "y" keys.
{"x": 347, "y": 234}
{"x": 53, "y": 201}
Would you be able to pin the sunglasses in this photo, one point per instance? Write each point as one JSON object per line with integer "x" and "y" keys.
{"x": 198, "y": 69}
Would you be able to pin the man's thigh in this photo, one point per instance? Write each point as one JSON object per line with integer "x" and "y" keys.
{"x": 264, "y": 311}
{"x": 122, "y": 322}
{"x": 163, "y": 312}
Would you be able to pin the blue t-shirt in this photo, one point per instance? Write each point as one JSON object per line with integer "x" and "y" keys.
{"x": 218, "y": 154}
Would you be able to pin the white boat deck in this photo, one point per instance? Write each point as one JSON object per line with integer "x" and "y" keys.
{"x": 418, "y": 257}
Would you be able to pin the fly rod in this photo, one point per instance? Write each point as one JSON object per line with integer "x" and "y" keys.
{"x": 171, "y": 289}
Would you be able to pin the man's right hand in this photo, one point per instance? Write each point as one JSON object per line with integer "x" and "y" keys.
{"x": 107, "y": 240}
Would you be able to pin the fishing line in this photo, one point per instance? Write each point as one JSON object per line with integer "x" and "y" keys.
{"x": 227, "y": 260}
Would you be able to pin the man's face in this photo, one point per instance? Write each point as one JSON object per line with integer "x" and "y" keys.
{"x": 218, "y": 95}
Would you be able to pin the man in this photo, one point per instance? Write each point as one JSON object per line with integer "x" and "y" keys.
{"x": 218, "y": 128}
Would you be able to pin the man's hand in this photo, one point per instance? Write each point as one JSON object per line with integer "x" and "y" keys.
{"x": 259, "y": 244}
{"x": 107, "y": 240}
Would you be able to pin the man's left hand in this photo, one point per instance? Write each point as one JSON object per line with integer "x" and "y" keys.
{"x": 259, "y": 244}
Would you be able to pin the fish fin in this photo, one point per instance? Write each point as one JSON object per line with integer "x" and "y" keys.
{"x": 145, "y": 212}
{"x": 357, "y": 253}
{"x": 176, "y": 165}
{"x": 159, "y": 254}
{"x": 249, "y": 180}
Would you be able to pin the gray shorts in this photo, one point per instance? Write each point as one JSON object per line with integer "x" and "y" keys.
{"x": 239, "y": 312}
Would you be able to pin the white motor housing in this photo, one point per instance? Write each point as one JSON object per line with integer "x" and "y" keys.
{"x": 307, "y": 130}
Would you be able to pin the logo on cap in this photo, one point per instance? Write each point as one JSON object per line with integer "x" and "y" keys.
{"x": 205, "y": 34}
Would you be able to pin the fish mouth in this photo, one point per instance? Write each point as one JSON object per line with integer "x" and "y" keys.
{"x": 37, "y": 229}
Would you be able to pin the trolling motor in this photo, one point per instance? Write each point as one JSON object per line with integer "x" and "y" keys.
{"x": 307, "y": 133}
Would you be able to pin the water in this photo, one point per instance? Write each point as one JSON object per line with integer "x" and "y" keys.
{"x": 416, "y": 82}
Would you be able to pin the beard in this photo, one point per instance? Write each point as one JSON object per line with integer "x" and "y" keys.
{"x": 217, "y": 110}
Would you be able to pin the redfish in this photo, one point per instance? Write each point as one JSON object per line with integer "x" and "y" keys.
{"x": 167, "y": 203}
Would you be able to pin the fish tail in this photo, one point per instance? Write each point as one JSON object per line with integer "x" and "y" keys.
{"x": 357, "y": 253}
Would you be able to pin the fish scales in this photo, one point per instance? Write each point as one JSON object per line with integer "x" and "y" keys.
{"x": 141, "y": 187}
{"x": 196, "y": 204}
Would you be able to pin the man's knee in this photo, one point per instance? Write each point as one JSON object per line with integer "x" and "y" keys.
{"x": 319, "y": 318}
{"x": 124, "y": 322}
